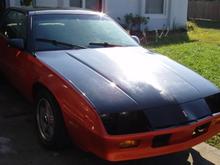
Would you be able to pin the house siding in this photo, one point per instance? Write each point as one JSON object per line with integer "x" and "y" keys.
{"x": 123, "y": 7}
{"x": 175, "y": 14}
{"x": 157, "y": 23}
{"x": 178, "y": 16}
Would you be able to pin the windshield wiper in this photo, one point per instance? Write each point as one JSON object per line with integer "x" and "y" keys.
{"x": 104, "y": 44}
{"x": 55, "y": 42}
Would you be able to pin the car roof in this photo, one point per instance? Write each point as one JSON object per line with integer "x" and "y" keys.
{"x": 50, "y": 10}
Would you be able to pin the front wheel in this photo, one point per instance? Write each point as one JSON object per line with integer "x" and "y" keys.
{"x": 50, "y": 124}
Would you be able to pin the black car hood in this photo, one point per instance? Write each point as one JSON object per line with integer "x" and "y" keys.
{"x": 128, "y": 79}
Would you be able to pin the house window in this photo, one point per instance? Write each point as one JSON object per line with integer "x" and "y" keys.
{"x": 154, "y": 6}
{"x": 76, "y": 3}
{"x": 88, "y": 4}
{"x": 94, "y": 4}
{"x": 23, "y": 2}
{"x": 26, "y": 2}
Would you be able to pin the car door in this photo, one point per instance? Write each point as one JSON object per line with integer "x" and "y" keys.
{"x": 17, "y": 64}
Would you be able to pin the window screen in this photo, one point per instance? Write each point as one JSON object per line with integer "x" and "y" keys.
{"x": 76, "y": 3}
{"x": 154, "y": 6}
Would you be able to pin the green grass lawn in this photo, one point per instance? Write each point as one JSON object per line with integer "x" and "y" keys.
{"x": 198, "y": 49}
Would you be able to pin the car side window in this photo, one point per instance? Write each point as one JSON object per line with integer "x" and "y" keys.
{"x": 14, "y": 25}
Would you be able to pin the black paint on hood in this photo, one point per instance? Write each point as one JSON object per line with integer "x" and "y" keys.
{"x": 128, "y": 79}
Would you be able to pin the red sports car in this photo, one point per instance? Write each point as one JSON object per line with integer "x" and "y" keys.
{"x": 92, "y": 83}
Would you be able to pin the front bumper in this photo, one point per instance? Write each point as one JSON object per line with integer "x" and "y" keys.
{"x": 181, "y": 138}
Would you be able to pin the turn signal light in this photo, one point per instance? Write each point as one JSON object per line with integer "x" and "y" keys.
{"x": 129, "y": 144}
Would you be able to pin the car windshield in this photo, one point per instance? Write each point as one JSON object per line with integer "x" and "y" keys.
{"x": 77, "y": 31}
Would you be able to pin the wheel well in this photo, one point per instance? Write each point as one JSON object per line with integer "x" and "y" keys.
{"x": 62, "y": 132}
{"x": 37, "y": 87}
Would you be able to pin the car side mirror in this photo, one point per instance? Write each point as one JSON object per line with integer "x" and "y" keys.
{"x": 16, "y": 43}
{"x": 136, "y": 39}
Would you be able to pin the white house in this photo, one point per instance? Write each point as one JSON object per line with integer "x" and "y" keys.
{"x": 170, "y": 14}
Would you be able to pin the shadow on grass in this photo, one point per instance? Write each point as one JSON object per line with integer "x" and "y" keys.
{"x": 180, "y": 37}
{"x": 207, "y": 24}
{"x": 177, "y": 37}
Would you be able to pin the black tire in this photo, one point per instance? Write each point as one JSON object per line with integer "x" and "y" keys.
{"x": 59, "y": 138}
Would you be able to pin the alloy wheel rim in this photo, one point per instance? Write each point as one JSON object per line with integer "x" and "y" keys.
{"x": 45, "y": 119}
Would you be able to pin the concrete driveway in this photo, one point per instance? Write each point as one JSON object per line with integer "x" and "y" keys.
{"x": 19, "y": 144}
